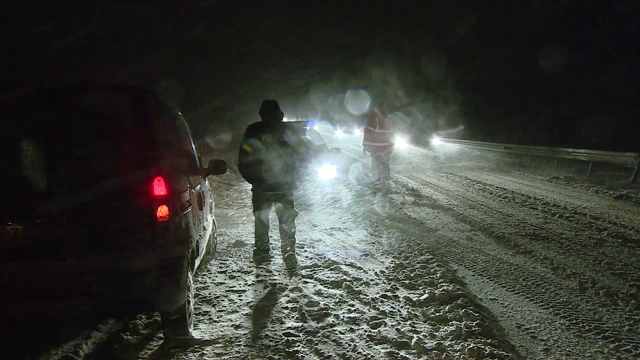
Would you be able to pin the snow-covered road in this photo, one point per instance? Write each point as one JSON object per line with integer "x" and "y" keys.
{"x": 467, "y": 260}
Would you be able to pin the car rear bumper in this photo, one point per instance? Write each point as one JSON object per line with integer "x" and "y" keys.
{"x": 152, "y": 280}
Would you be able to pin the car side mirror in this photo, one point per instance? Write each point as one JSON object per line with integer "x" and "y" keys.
{"x": 216, "y": 167}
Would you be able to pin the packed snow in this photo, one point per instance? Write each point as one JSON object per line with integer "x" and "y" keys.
{"x": 470, "y": 257}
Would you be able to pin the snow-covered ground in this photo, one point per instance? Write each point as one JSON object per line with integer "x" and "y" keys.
{"x": 469, "y": 258}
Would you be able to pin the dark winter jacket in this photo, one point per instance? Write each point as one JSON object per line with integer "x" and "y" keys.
{"x": 268, "y": 156}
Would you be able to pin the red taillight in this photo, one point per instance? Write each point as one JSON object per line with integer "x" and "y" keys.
{"x": 162, "y": 213}
{"x": 160, "y": 190}
{"x": 159, "y": 187}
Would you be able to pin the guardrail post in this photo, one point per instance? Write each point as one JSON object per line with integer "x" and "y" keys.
{"x": 634, "y": 177}
{"x": 589, "y": 171}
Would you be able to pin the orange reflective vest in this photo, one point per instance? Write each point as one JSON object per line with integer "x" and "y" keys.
{"x": 378, "y": 137}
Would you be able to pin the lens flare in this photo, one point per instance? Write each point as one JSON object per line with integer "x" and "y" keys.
{"x": 357, "y": 101}
{"x": 327, "y": 172}
{"x": 436, "y": 140}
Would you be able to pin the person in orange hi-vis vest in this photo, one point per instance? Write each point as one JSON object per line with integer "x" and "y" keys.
{"x": 379, "y": 141}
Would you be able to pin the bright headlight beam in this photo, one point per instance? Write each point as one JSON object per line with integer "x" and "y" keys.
{"x": 327, "y": 172}
{"x": 401, "y": 142}
{"x": 339, "y": 133}
{"x": 436, "y": 140}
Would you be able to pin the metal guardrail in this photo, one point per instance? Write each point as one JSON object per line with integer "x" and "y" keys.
{"x": 590, "y": 156}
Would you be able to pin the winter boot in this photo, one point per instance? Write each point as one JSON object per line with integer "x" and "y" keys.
{"x": 290, "y": 260}
{"x": 261, "y": 256}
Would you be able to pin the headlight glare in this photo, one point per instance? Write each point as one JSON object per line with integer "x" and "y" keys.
{"x": 327, "y": 172}
{"x": 401, "y": 142}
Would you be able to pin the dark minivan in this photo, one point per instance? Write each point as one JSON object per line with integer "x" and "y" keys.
{"x": 105, "y": 206}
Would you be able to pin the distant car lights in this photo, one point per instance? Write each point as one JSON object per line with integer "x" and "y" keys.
{"x": 401, "y": 142}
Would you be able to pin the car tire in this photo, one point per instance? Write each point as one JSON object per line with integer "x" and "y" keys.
{"x": 178, "y": 324}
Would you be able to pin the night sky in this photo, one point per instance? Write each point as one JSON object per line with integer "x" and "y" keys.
{"x": 553, "y": 73}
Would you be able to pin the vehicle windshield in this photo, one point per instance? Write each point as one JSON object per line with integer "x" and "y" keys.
{"x": 313, "y": 141}
{"x": 54, "y": 145}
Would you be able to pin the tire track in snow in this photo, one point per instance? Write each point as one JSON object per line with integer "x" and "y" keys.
{"x": 615, "y": 211}
{"x": 599, "y": 220}
{"x": 600, "y": 323}
{"x": 548, "y": 294}
{"x": 620, "y": 254}
{"x": 436, "y": 298}
{"x": 535, "y": 237}
{"x": 512, "y": 309}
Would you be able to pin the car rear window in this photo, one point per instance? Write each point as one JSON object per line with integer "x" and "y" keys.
{"x": 55, "y": 143}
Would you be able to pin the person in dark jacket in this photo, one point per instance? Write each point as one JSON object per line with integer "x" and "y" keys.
{"x": 267, "y": 159}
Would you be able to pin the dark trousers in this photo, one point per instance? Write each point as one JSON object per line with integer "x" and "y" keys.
{"x": 283, "y": 203}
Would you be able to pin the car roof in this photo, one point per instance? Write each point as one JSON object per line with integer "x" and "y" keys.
{"x": 70, "y": 89}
